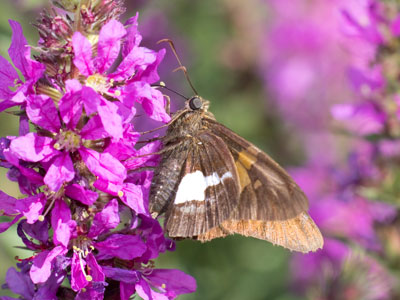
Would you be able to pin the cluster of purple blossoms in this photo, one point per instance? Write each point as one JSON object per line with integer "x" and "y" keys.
{"x": 351, "y": 135}
{"x": 84, "y": 210}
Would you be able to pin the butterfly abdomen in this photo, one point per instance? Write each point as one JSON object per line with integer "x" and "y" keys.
{"x": 163, "y": 186}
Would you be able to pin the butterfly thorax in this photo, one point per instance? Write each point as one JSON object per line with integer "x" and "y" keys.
{"x": 187, "y": 122}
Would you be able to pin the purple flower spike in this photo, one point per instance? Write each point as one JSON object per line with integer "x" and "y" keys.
{"x": 84, "y": 207}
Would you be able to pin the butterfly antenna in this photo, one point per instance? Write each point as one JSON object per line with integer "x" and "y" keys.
{"x": 181, "y": 67}
{"x": 162, "y": 85}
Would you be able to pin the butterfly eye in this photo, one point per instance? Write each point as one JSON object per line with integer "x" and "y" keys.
{"x": 195, "y": 103}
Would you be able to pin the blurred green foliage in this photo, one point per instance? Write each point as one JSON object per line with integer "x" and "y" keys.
{"x": 235, "y": 267}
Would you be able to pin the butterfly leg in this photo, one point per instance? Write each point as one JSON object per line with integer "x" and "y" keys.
{"x": 163, "y": 150}
{"x": 149, "y": 140}
{"x": 167, "y": 104}
{"x": 142, "y": 169}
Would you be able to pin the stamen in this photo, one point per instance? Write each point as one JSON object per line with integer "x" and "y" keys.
{"x": 82, "y": 266}
{"x": 98, "y": 83}
{"x": 49, "y": 207}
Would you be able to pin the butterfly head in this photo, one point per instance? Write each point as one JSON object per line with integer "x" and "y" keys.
{"x": 197, "y": 103}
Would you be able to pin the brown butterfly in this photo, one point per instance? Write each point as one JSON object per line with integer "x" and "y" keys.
{"x": 212, "y": 183}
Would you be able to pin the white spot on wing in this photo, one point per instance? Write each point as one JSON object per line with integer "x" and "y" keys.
{"x": 193, "y": 186}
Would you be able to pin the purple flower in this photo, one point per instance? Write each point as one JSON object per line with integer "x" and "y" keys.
{"x": 137, "y": 68}
{"x": 32, "y": 70}
{"x": 319, "y": 54}
{"x": 365, "y": 118}
{"x": 306, "y": 267}
{"x": 29, "y": 207}
{"x": 55, "y": 152}
{"x": 334, "y": 200}
{"x": 300, "y": 36}
{"x": 20, "y": 282}
{"x": 160, "y": 284}
{"x": 339, "y": 270}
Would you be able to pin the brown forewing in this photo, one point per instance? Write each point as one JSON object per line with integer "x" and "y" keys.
{"x": 271, "y": 205}
{"x": 208, "y": 154}
{"x": 267, "y": 190}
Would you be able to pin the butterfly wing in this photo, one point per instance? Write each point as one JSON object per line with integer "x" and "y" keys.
{"x": 271, "y": 205}
{"x": 207, "y": 192}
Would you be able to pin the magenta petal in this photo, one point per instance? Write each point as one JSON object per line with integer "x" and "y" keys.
{"x": 83, "y": 54}
{"x": 62, "y": 234}
{"x": 79, "y": 193}
{"x": 133, "y": 37}
{"x": 73, "y": 86}
{"x": 124, "y": 275}
{"x": 395, "y": 26}
{"x": 111, "y": 119}
{"x": 31, "y": 207}
{"x": 143, "y": 290}
{"x": 71, "y": 108}
{"x": 7, "y": 77}
{"x": 90, "y": 292}
{"x": 61, "y": 170}
{"x": 139, "y": 57}
{"x": 175, "y": 282}
{"x": 32, "y": 147}
{"x": 107, "y": 218}
{"x": 6, "y": 104}
{"x": 62, "y": 223}
{"x": 121, "y": 246}
{"x": 42, "y": 111}
{"x": 91, "y": 100}
{"x": 140, "y": 161}
{"x": 23, "y": 125}
{"x": 109, "y": 44}
{"x": 150, "y": 74}
{"x": 20, "y": 284}
{"x": 34, "y": 177}
{"x": 95, "y": 270}
{"x": 94, "y": 130}
{"x": 78, "y": 279}
{"x": 5, "y": 225}
{"x": 364, "y": 118}
{"x": 60, "y": 212}
{"x": 7, "y": 204}
{"x": 126, "y": 290}
{"x": 152, "y": 100}
{"x": 154, "y": 107}
{"x": 20, "y": 53}
{"x": 103, "y": 165}
{"x": 41, "y": 268}
{"x": 133, "y": 197}
{"x": 108, "y": 187}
